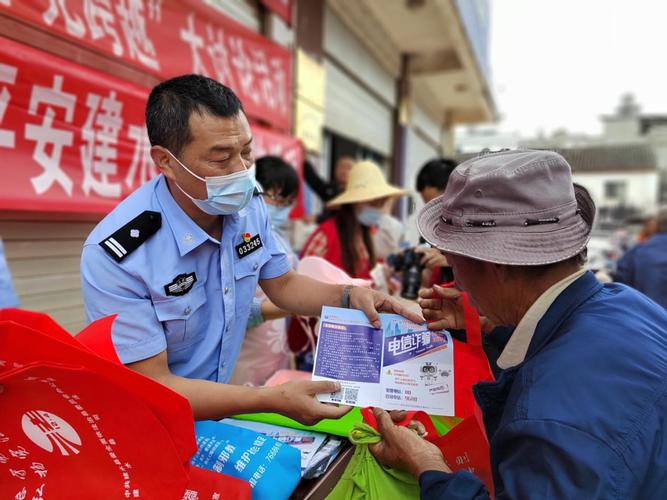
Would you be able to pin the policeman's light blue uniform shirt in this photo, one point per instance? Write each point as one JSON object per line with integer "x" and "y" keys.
{"x": 202, "y": 329}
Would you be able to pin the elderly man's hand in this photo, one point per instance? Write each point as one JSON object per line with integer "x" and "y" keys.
{"x": 432, "y": 257}
{"x": 403, "y": 448}
{"x": 443, "y": 309}
{"x": 371, "y": 302}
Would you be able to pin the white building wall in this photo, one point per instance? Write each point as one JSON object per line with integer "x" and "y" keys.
{"x": 241, "y": 11}
{"x": 621, "y": 130}
{"x": 430, "y": 128}
{"x": 360, "y": 94}
{"x": 420, "y": 148}
{"x": 641, "y": 190}
{"x": 658, "y": 140}
{"x": 348, "y": 50}
{"x": 353, "y": 113}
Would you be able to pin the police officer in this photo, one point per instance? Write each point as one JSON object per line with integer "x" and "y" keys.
{"x": 180, "y": 258}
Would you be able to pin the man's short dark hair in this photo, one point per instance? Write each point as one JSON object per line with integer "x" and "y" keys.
{"x": 171, "y": 103}
{"x": 273, "y": 172}
{"x": 435, "y": 173}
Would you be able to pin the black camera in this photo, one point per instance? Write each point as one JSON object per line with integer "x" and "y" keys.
{"x": 409, "y": 263}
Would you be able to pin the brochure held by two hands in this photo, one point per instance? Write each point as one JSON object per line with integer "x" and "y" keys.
{"x": 400, "y": 366}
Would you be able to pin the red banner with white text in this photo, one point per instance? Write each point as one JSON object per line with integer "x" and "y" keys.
{"x": 73, "y": 139}
{"x": 174, "y": 37}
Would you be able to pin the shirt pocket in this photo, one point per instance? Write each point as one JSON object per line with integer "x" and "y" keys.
{"x": 246, "y": 275}
{"x": 182, "y": 318}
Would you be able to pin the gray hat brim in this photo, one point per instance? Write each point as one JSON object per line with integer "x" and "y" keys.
{"x": 515, "y": 246}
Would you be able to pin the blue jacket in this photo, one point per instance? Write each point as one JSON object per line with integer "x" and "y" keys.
{"x": 644, "y": 267}
{"x": 585, "y": 415}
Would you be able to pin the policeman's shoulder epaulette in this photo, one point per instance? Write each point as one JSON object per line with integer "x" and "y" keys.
{"x": 132, "y": 235}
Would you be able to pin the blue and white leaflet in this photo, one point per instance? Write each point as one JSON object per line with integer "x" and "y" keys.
{"x": 400, "y": 366}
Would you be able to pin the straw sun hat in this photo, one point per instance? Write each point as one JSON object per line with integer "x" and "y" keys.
{"x": 366, "y": 183}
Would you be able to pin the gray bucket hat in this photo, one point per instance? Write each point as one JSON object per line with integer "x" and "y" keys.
{"x": 512, "y": 207}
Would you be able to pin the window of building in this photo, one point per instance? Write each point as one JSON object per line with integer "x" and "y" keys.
{"x": 615, "y": 190}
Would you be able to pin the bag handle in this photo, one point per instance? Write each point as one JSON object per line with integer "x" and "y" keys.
{"x": 420, "y": 416}
{"x": 473, "y": 325}
{"x": 309, "y": 331}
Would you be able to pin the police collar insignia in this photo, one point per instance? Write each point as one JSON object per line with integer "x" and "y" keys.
{"x": 249, "y": 245}
{"x": 181, "y": 284}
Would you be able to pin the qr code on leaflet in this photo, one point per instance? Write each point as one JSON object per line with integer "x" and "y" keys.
{"x": 351, "y": 395}
{"x": 336, "y": 397}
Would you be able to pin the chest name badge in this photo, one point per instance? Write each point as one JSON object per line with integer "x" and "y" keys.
{"x": 180, "y": 285}
{"x": 249, "y": 245}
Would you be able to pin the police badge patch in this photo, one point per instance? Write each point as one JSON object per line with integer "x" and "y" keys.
{"x": 180, "y": 285}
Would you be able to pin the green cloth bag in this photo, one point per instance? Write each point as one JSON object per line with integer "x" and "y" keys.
{"x": 341, "y": 427}
{"x": 364, "y": 478}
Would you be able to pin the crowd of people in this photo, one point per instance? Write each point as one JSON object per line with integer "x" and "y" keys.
{"x": 205, "y": 285}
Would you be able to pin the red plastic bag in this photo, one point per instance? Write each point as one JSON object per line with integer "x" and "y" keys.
{"x": 75, "y": 425}
{"x": 466, "y": 447}
{"x": 470, "y": 362}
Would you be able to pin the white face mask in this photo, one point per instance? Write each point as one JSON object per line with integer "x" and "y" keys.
{"x": 278, "y": 215}
{"x": 226, "y": 194}
{"x": 369, "y": 216}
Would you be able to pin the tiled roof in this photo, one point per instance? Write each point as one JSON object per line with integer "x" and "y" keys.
{"x": 626, "y": 158}
{"x": 617, "y": 158}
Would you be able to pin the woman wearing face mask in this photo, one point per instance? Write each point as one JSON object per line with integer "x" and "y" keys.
{"x": 345, "y": 239}
{"x": 264, "y": 349}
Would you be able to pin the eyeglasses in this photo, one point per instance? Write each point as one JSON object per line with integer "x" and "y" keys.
{"x": 279, "y": 200}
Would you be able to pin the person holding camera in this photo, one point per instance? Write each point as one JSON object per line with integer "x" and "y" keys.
{"x": 431, "y": 183}
{"x": 345, "y": 239}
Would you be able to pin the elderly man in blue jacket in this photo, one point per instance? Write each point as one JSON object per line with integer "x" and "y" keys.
{"x": 580, "y": 407}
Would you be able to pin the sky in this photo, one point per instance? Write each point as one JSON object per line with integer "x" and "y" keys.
{"x": 564, "y": 63}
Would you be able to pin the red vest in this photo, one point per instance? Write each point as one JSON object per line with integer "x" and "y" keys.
{"x": 334, "y": 252}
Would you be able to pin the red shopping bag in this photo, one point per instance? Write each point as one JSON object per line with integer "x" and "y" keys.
{"x": 465, "y": 447}
{"x": 75, "y": 425}
{"x": 470, "y": 362}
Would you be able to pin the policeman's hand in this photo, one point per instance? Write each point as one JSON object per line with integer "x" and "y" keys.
{"x": 402, "y": 448}
{"x": 432, "y": 257}
{"x": 371, "y": 302}
{"x": 443, "y": 309}
{"x": 296, "y": 399}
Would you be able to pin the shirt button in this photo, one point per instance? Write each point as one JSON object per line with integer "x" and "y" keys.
{"x": 187, "y": 310}
{"x": 226, "y": 290}
{"x": 254, "y": 268}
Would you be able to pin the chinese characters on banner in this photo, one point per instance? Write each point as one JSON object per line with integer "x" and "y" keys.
{"x": 174, "y": 37}
{"x": 74, "y": 139}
